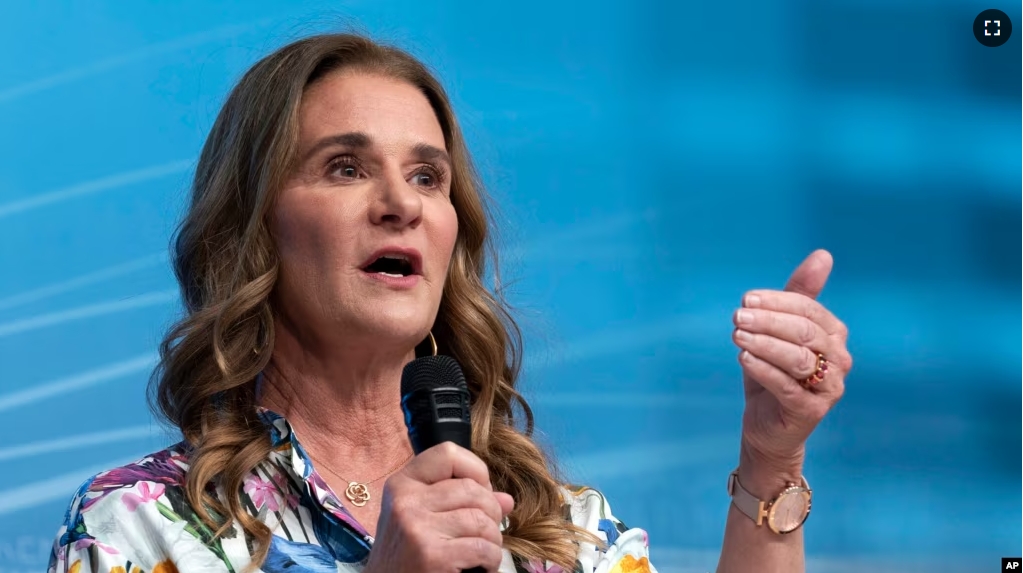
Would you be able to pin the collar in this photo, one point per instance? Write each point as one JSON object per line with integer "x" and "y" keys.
{"x": 288, "y": 454}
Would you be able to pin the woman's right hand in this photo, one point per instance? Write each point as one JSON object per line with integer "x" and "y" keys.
{"x": 440, "y": 515}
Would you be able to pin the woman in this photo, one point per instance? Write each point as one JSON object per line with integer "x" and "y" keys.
{"x": 336, "y": 229}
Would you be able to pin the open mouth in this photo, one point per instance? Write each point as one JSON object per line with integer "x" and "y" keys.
{"x": 393, "y": 265}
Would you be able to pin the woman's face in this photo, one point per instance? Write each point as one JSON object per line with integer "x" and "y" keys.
{"x": 365, "y": 226}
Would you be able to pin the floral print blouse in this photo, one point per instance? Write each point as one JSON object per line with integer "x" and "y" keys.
{"x": 135, "y": 519}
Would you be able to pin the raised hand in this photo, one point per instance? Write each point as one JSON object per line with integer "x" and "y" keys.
{"x": 788, "y": 388}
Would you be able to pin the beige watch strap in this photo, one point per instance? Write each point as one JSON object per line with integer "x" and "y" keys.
{"x": 749, "y": 504}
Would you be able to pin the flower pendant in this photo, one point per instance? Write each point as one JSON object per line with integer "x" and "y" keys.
{"x": 357, "y": 493}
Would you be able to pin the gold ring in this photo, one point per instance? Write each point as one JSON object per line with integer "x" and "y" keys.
{"x": 818, "y": 376}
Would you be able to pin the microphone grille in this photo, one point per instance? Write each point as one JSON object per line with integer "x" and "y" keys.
{"x": 431, "y": 372}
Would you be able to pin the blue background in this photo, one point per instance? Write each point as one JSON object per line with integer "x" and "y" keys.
{"x": 652, "y": 160}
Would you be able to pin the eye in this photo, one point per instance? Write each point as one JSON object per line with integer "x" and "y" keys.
{"x": 423, "y": 179}
{"x": 427, "y": 176}
{"x": 343, "y": 167}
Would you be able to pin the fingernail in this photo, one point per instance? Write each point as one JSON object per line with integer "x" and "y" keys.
{"x": 746, "y": 356}
{"x": 744, "y": 317}
{"x": 752, "y": 300}
{"x": 743, "y": 336}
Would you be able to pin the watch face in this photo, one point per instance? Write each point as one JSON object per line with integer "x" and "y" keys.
{"x": 790, "y": 510}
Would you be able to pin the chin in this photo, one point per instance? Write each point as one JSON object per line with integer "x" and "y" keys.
{"x": 396, "y": 323}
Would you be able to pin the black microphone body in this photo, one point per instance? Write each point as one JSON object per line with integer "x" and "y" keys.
{"x": 436, "y": 402}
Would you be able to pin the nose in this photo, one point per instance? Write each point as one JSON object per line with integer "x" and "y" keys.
{"x": 397, "y": 204}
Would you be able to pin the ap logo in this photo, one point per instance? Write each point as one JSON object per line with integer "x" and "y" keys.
{"x": 1012, "y": 564}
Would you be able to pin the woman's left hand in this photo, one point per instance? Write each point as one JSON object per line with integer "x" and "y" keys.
{"x": 781, "y": 334}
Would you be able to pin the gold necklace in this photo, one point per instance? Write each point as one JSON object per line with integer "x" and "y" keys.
{"x": 358, "y": 492}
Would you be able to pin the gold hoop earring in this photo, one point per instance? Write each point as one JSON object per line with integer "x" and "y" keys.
{"x": 421, "y": 350}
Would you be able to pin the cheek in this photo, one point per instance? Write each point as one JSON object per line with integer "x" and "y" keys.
{"x": 296, "y": 234}
{"x": 311, "y": 236}
{"x": 445, "y": 233}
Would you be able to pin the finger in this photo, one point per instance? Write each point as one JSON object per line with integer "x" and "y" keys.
{"x": 792, "y": 328}
{"x": 795, "y": 303}
{"x": 446, "y": 461}
{"x": 810, "y": 276}
{"x": 467, "y": 522}
{"x": 452, "y": 494}
{"x": 468, "y": 552}
{"x": 794, "y": 361}
{"x": 788, "y": 390}
{"x": 506, "y": 502}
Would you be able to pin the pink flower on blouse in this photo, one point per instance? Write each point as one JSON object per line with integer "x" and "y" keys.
{"x": 262, "y": 493}
{"x": 536, "y": 566}
{"x": 290, "y": 498}
{"x": 132, "y": 501}
{"x": 89, "y": 542}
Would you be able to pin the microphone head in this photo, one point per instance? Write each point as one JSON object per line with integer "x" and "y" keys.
{"x": 431, "y": 372}
{"x": 436, "y": 403}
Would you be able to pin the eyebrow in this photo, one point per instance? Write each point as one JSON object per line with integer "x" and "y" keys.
{"x": 354, "y": 139}
{"x": 425, "y": 152}
{"x": 359, "y": 140}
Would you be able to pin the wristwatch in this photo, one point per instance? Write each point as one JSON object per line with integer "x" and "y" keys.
{"x": 785, "y": 513}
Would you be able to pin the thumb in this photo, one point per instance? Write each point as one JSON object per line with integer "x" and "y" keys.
{"x": 506, "y": 501}
{"x": 809, "y": 277}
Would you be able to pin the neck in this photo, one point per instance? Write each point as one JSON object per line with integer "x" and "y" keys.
{"x": 343, "y": 402}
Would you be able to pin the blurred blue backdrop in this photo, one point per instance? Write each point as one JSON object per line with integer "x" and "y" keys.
{"x": 652, "y": 160}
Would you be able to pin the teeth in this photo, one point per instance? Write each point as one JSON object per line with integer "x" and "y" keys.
{"x": 391, "y": 275}
{"x": 396, "y": 257}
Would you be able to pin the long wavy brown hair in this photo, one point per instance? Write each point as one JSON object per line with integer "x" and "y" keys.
{"x": 227, "y": 266}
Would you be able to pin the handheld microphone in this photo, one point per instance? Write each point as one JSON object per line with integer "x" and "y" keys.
{"x": 435, "y": 399}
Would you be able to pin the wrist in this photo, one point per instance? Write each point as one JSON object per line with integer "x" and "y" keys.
{"x": 766, "y": 478}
